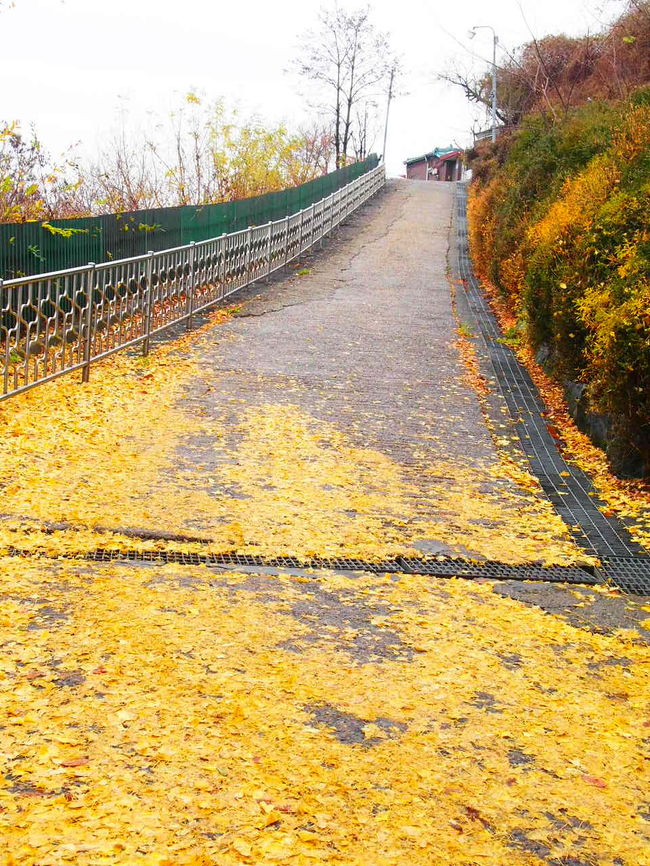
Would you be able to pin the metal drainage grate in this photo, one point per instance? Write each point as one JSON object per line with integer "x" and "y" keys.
{"x": 434, "y": 566}
{"x": 343, "y": 563}
{"x": 498, "y": 570}
{"x": 631, "y": 574}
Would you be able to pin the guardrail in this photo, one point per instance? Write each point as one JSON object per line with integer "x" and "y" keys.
{"x": 52, "y": 324}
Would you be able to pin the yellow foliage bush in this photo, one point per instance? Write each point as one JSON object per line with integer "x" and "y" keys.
{"x": 580, "y": 200}
{"x": 561, "y": 227}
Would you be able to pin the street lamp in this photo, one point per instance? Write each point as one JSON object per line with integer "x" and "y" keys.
{"x": 495, "y": 42}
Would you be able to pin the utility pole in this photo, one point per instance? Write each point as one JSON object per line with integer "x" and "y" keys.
{"x": 390, "y": 96}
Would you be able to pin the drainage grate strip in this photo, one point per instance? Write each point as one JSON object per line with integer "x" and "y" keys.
{"x": 498, "y": 570}
{"x": 631, "y": 574}
{"x": 433, "y": 566}
{"x": 567, "y": 487}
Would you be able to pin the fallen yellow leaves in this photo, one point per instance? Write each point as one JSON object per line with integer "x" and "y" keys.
{"x": 184, "y": 716}
{"x": 175, "y": 715}
{"x": 80, "y": 459}
{"x": 304, "y": 489}
{"x": 99, "y": 466}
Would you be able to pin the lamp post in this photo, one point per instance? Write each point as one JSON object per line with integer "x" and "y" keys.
{"x": 495, "y": 42}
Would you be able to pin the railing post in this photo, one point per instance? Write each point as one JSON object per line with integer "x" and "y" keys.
{"x": 302, "y": 220}
{"x": 269, "y": 250}
{"x": 249, "y": 251}
{"x": 149, "y": 304}
{"x": 190, "y": 286}
{"x": 88, "y": 326}
{"x": 5, "y": 327}
{"x": 18, "y": 300}
{"x": 223, "y": 247}
{"x": 286, "y": 239}
{"x": 313, "y": 224}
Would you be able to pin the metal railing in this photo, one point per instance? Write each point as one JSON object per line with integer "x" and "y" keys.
{"x": 55, "y": 323}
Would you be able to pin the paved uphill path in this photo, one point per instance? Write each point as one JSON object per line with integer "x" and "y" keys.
{"x": 359, "y": 352}
{"x": 203, "y": 706}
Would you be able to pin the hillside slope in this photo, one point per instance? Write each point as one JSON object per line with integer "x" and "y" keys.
{"x": 559, "y": 225}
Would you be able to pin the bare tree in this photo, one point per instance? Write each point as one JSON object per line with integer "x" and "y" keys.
{"x": 122, "y": 178}
{"x": 201, "y": 153}
{"x": 316, "y": 153}
{"x": 555, "y": 73}
{"x": 32, "y": 185}
{"x": 349, "y": 60}
{"x": 366, "y": 128}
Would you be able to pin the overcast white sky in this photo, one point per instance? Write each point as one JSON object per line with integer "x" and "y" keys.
{"x": 69, "y": 66}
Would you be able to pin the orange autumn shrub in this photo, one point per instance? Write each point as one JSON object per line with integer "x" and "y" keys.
{"x": 482, "y": 225}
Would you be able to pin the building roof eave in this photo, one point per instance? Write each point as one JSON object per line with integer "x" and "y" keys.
{"x": 438, "y": 153}
{"x": 413, "y": 159}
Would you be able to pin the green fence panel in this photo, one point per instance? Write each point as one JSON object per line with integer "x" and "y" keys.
{"x": 33, "y": 248}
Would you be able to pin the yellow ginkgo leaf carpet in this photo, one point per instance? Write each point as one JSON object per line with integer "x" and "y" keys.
{"x": 180, "y": 715}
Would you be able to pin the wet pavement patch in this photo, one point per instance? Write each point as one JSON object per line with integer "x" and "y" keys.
{"x": 27, "y": 789}
{"x": 582, "y": 607}
{"x": 511, "y": 661}
{"x": 564, "y": 821}
{"x": 353, "y": 624}
{"x": 70, "y": 679}
{"x": 612, "y": 661}
{"x": 521, "y": 840}
{"x": 350, "y": 729}
{"x": 517, "y": 758}
{"x": 485, "y": 701}
{"x": 48, "y": 616}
